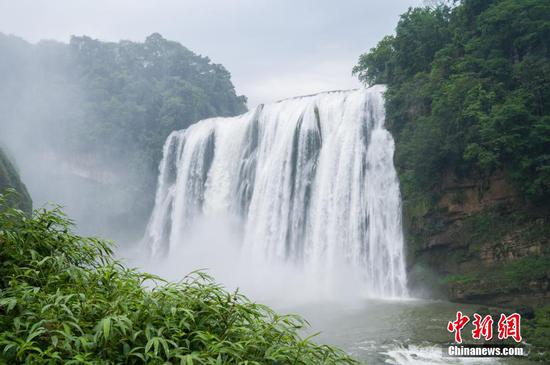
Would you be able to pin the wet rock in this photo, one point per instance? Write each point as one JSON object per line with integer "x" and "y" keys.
{"x": 526, "y": 312}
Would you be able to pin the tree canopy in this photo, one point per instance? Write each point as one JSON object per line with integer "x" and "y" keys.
{"x": 107, "y": 107}
{"x": 468, "y": 92}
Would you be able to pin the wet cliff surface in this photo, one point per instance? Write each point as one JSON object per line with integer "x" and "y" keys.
{"x": 9, "y": 179}
{"x": 479, "y": 242}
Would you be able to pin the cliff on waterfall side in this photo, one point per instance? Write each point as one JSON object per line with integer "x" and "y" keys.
{"x": 467, "y": 102}
{"x": 481, "y": 242}
{"x": 9, "y": 179}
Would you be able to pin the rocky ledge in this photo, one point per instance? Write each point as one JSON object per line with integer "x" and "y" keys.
{"x": 479, "y": 242}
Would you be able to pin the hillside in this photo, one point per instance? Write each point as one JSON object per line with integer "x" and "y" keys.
{"x": 99, "y": 112}
{"x": 467, "y": 101}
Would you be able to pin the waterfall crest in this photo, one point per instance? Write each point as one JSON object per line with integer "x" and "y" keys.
{"x": 310, "y": 180}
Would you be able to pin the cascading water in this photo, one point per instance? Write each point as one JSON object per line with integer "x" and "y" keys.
{"x": 311, "y": 181}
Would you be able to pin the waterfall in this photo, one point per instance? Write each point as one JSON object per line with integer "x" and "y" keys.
{"x": 310, "y": 180}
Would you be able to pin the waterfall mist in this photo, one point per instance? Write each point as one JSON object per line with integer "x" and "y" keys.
{"x": 44, "y": 107}
{"x": 297, "y": 199}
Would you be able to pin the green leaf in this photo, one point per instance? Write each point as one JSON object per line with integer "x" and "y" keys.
{"x": 106, "y": 327}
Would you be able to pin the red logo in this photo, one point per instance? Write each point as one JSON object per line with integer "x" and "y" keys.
{"x": 482, "y": 327}
{"x": 458, "y": 325}
{"x": 508, "y": 327}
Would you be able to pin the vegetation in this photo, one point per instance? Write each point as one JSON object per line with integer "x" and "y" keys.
{"x": 537, "y": 331}
{"x": 513, "y": 275}
{"x": 137, "y": 93}
{"x": 108, "y": 105}
{"x": 484, "y": 261}
{"x": 468, "y": 93}
{"x": 9, "y": 178}
{"x": 467, "y": 101}
{"x": 64, "y": 299}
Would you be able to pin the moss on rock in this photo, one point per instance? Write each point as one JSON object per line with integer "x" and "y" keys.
{"x": 9, "y": 178}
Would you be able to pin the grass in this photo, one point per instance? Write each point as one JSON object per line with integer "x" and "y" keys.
{"x": 64, "y": 299}
{"x": 512, "y": 275}
{"x": 459, "y": 279}
{"x": 527, "y": 269}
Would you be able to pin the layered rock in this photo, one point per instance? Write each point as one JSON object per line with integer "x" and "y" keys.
{"x": 480, "y": 242}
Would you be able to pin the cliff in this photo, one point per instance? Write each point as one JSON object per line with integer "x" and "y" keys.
{"x": 467, "y": 102}
{"x": 480, "y": 242}
{"x": 9, "y": 178}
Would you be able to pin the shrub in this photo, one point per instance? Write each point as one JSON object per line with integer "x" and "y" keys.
{"x": 537, "y": 331}
{"x": 65, "y": 299}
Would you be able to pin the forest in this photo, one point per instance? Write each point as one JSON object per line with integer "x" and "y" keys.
{"x": 466, "y": 102}
{"x": 108, "y": 107}
{"x": 469, "y": 91}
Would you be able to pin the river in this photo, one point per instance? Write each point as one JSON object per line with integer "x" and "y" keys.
{"x": 392, "y": 331}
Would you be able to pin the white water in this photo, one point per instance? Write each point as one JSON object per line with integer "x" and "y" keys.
{"x": 303, "y": 190}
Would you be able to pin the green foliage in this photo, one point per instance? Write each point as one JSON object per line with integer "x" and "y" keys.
{"x": 135, "y": 94}
{"x": 108, "y": 106}
{"x": 9, "y": 178}
{"x": 526, "y": 269}
{"x": 516, "y": 274}
{"x": 469, "y": 92}
{"x": 64, "y": 299}
{"x": 537, "y": 334}
{"x": 460, "y": 279}
{"x": 492, "y": 225}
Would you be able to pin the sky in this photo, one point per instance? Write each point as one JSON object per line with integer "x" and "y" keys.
{"x": 273, "y": 49}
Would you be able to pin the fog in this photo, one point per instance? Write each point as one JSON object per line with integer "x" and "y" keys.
{"x": 213, "y": 246}
{"x": 273, "y": 51}
{"x": 42, "y": 109}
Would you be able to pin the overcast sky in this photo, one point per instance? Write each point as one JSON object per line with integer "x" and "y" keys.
{"x": 273, "y": 49}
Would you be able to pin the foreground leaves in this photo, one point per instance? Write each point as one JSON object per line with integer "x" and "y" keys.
{"x": 64, "y": 299}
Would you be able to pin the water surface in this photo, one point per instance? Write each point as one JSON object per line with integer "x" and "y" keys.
{"x": 392, "y": 331}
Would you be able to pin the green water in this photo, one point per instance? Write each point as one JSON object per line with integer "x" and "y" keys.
{"x": 393, "y": 332}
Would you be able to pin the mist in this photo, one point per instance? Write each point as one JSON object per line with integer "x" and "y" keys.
{"x": 42, "y": 106}
{"x": 49, "y": 109}
{"x": 87, "y": 138}
{"x": 214, "y": 246}
{"x": 85, "y": 122}
{"x": 380, "y": 168}
{"x": 273, "y": 50}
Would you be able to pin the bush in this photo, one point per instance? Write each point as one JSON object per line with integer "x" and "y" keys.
{"x": 537, "y": 332}
{"x": 65, "y": 299}
{"x": 9, "y": 179}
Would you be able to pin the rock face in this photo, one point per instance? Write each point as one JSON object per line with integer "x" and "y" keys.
{"x": 480, "y": 242}
{"x": 9, "y": 178}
